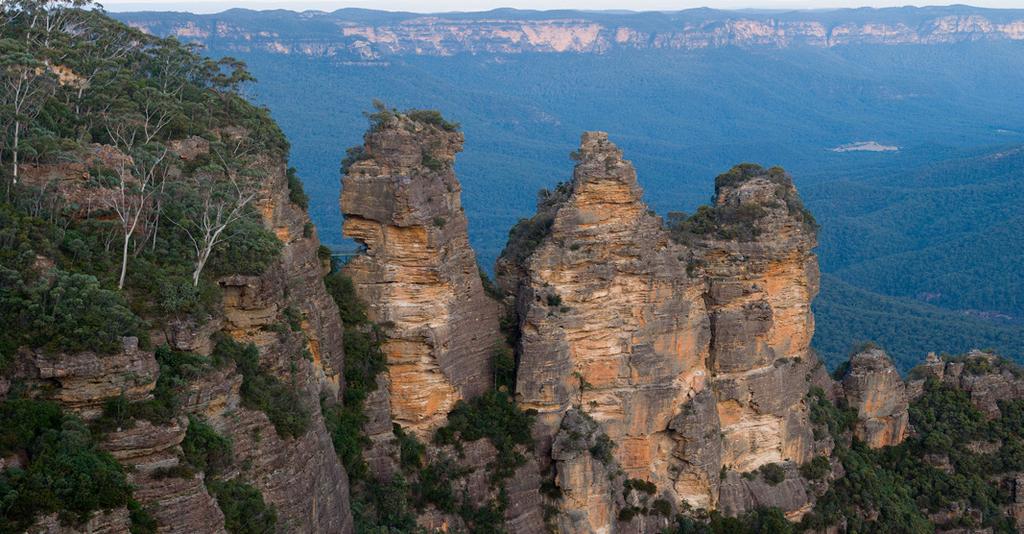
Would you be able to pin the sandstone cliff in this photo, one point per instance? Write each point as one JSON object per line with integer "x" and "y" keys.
{"x": 420, "y": 282}
{"x": 418, "y": 274}
{"x": 371, "y": 37}
{"x": 299, "y": 476}
{"x": 762, "y": 277}
{"x": 688, "y": 346}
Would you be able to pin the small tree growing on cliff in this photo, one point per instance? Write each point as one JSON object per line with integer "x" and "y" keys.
{"x": 25, "y": 86}
{"x": 222, "y": 201}
{"x": 220, "y": 207}
{"x": 136, "y": 183}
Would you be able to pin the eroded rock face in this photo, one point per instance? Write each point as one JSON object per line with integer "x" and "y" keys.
{"x": 419, "y": 276}
{"x": 610, "y": 321}
{"x": 691, "y": 353}
{"x": 760, "y": 287}
{"x": 873, "y": 387}
{"x": 84, "y": 381}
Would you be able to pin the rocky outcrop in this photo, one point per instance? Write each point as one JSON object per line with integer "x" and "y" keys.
{"x": 84, "y": 381}
{"x": 872, "y": 386}
{"x": 377, "y": 38}
{"x": 689, "y": 348}
{"x": 588, "y": 474}
{"x": 611, "y": 323}
{"x": 985, "y": 377}
{"x": 418, "y": 274}
{"x": 762, "y": 277}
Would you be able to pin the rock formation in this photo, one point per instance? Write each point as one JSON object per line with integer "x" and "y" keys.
{"x": 418, "y": 274}
{"x": 985, "y": 377}
{"x": 762, "y": 277}
{"x": 377, "y": 39}
{"x": 872, "y": 386}
{"x": 690, "y": 351}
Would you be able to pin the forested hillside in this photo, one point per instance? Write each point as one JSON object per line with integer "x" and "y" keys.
{"x": 141, "y": 195}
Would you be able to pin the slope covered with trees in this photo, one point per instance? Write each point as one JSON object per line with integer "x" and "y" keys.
{"x": 133, "y": 179}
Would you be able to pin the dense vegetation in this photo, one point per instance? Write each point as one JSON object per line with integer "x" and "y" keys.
{"x": 142, "y": 232}
{"x": 245, "y": 512}
{"x": 899, "y": 486}
{"x": 64, "y": 471}
{"x": 363, "y": 362}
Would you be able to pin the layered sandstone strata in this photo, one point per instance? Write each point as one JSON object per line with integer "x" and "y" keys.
{"x": 762, "y": 276}
{"x": 301, "y": 477}
{"x": 418, "y": 275}
{"x": 687, "y": 346}
{"x": 872, "y": 386}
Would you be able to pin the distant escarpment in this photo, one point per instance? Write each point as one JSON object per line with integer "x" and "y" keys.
{"x": 361, "y": 35}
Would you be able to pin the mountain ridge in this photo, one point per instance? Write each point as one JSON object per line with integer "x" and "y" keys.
{"x": 363, "y": 34}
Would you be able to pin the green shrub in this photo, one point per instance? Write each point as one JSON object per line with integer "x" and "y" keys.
{"x": 640, "y": 485}
{"x": 602, "y": 449}
{"x": 503, "y": 364}
{"x": 296, "y": 193}
{"x": 773, "y": 474}
{"x": 249, "y": 251}
{"x": 412, "y": 452}
{"x": 71, "y": 313}
{"x": 341, "y": 289}
{"x": 66, "y": 472}
{"x": 496, "y": 417}
{"x": 263, "y": 391}
{"x": 816, "y": 469}
{"x": 353, "y": 155}
{"x": 141, "y": 521}
{"x": 245, "y": 512}
{"x": 432, "y": 163}
{"x": 205, "y": 449}
{"x": 431, "y": 117}
{"x": 434, "y": 485}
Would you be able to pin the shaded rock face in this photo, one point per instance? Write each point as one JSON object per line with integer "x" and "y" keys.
{"x": 302, "y": 477}
{"x": 873, "y": 387}
{"x": 419, "y": 276}
{"x": 592, "y": 484}
{"x": 691, "y": 354}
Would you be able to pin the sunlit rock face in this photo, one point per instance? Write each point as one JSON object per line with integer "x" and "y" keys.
{"x": 762, "y": 276}
{"x": 691, "y": 355}
{"x": 418, "y": 275}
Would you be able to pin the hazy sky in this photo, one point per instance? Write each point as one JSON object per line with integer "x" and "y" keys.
{"x": 212, "y": 6}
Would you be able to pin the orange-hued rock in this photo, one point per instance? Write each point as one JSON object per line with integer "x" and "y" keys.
{"x": 689, "y": 348}
{"x": 762, "y": 277}
{"x": 418, "y": 275}
{"x": 611, "y": 322}
{"x": 873, "y": 387}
